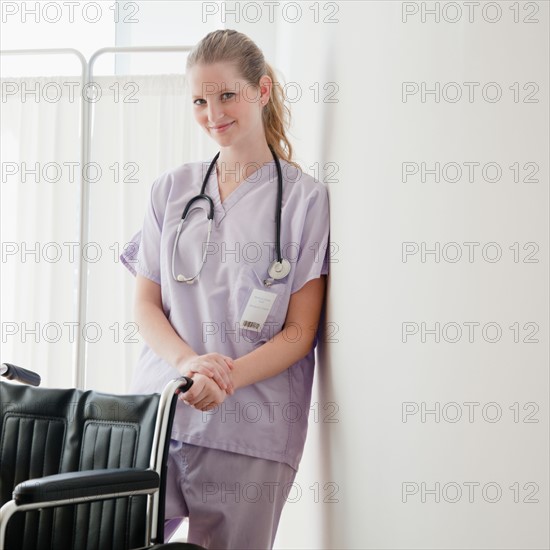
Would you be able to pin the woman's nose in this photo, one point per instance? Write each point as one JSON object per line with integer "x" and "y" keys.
{"x": 215, "y": 112}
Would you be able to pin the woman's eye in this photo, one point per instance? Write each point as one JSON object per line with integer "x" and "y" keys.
{"x": 225, "y": 96}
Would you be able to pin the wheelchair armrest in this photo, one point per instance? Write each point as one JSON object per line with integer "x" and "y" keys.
{"x": 87, "y": 484}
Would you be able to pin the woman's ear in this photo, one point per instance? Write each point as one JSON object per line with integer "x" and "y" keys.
{"x": 266, "y": 85}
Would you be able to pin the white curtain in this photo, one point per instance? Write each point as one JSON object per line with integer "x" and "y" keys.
{"x": 141, "y": 126}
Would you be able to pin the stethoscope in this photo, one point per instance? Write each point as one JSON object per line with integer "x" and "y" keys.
{"x": 278, "y": 269}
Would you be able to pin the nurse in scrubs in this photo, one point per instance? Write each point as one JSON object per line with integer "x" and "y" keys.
{"x": 239, "y": 433}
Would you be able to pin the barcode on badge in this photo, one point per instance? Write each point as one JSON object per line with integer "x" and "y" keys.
{"x": 251, "y": 324}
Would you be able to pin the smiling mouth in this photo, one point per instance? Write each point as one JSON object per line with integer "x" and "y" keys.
{"x": 221, "y": 127}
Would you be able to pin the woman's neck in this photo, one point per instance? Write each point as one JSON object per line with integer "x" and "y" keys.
{"x": 237, "y": 159}
{"x": 233, "y": 167}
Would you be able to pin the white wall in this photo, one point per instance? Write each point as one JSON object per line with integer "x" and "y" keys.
{"x": 370, "y": 372}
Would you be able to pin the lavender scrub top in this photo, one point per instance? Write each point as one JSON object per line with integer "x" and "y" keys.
{"x": 267, "y": 419}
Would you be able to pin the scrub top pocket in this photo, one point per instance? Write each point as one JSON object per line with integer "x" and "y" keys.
{"x": 248, "y": 280}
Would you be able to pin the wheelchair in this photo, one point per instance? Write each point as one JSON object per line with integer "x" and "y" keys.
{"x": 83, "y": 470}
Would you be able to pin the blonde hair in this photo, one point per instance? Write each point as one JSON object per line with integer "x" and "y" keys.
{"x": 228, "y": 45}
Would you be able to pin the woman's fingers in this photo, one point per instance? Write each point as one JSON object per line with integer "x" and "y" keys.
{"x": 212, "y": 370}
{"x": 203, "y": 368}
{"x": 216, "y": 372}
{"x": 220, "y": 372}
{"x": 196, "y": 393}
{"x": 224, "y": 374}
{"x": 204, "y": 404}
{"x": 215, "y": 366}
{"x": 204, "y": 401}
{"x": 211, "y": 373}
{"x": 204, "y": 394}
{"x": 230, "y": 389}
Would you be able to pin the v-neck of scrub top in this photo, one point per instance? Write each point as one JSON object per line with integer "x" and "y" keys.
{"x": 222, "y": 208}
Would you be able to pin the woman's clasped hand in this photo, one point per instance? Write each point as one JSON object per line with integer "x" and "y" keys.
{"x": 211, "y": 374}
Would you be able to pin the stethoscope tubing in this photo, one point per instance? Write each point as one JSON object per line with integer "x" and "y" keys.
{"x": 203, "y": 196}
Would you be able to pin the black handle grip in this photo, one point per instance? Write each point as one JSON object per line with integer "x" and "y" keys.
{"x": 185, "y": 386}
{"x": 11, "y": 372}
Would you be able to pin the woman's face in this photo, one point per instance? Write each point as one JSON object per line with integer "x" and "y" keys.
{"x": 227, "y": 107}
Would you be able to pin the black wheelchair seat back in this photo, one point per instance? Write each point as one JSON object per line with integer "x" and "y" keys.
{"x": 51, "y": 431}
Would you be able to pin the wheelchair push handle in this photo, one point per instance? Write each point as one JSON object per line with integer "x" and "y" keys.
{"x": 185, "y": 385}
{"x": 11, "y": 372}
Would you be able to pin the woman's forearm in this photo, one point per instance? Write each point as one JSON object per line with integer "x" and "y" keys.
{"x": 159, "y": 334}
{"x": 271, "y": 358}
{"x": 161, "y": 337}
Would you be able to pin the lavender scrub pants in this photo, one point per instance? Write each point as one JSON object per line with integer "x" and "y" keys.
{"x": 233, "y": 501}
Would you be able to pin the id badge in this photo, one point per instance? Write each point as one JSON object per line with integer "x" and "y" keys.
{"x": 257, "y": 309}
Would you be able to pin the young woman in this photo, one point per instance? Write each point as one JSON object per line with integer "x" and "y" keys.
{"x": 237, "y": 309}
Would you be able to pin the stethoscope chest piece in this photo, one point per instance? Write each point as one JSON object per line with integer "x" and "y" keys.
{"x": 279, "y": 270}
